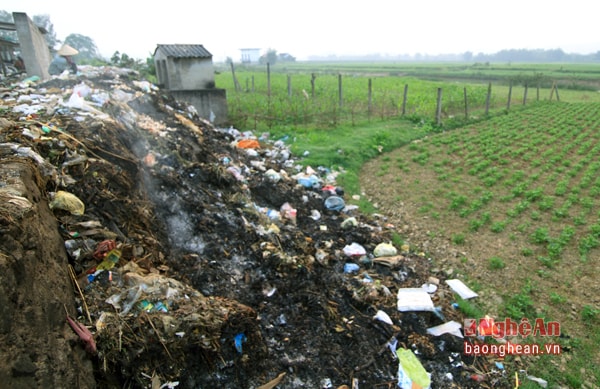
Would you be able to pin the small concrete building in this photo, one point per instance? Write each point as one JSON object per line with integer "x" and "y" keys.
{"x": 187, "y": 72}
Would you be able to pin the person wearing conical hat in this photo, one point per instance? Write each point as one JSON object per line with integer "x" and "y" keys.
{"x": 63, "y": 61}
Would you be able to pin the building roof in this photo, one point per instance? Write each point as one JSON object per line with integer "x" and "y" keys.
{"x": 10, "y": 26}
{"x": 184, "y": 51}
{"x": 7, "y": 26}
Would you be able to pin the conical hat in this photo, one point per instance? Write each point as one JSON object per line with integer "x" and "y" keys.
{"x": 67, "y": 50}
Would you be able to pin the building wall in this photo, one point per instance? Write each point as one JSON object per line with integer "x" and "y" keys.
{"x": 211, "y": 104}
{"x": 184, "y": 73}
{"x": 34, "y": 48}
{"x": 193, "y": 80}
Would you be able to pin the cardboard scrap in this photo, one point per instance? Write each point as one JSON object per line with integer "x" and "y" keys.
{"x": 461, "y": 289}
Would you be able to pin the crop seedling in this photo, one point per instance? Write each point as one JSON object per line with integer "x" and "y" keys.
{"x": 589, "y": 313}
{"x": 556, "y": 298}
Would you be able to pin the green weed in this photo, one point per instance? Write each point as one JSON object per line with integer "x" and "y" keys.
{"x": 496, "y": 263}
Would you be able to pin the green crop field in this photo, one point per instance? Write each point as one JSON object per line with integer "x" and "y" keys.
{"x": 520, "y": 192}
{"x": 327, "y": 95}
{"x": 515, "y": 188}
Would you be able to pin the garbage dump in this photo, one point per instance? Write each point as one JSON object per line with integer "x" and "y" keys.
{"x": 157, "y": 251}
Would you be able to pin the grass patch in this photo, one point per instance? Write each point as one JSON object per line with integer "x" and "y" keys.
{"x": 496, "y": 263}
{"x": 458, "y": 239}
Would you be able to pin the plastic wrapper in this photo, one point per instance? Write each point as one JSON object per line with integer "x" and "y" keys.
{"x": 68, "y": 202}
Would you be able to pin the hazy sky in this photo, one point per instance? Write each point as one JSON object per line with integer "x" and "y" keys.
{"x": 323, "y": 27}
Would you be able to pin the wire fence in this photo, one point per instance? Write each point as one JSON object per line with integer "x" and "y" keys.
{"x": 266, "y": 99}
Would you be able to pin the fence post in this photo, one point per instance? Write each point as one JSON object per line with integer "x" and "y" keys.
{"x": 340, "y": 90}
{"x": 404, "y": 99}
{"x": 525, "y": 95}
{"x": 268, "y": 79}
{"x": 487, "y": 99}
{"x": 236, "y": 83}
{"x": 370, "y": 98}
{"x": 289, "y": 85}
{"x": 509, "y": 96}
{"x": 438, "y": 114}
{"x": 466, "y": 104}
{"x": 312, "y": 85}
{"x": 253, "y": 83}
{"x": 554, "y": 88}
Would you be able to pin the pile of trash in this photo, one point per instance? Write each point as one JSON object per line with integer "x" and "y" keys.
{"x": 212, "y": 257}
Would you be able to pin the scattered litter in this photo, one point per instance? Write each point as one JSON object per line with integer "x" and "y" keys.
{"x": 315, "y": 215}
{"x": 385, "y": 250}
{"x": 414, "y": 299}
{"x": 477, "y": 377}
{"x": 351, "y": 267}
{"x": 272, "y": 175}
{"x": 411, "y": 373}
{"x": 170, "y": 385}
{"x": 451, "y": 327}
{"x": 391, "y": 262}
{"x": 542, "y": 382}
{"x": 288, "y": 212}
{"x": 350, "y": 222}
{"x": 308, "y": 181}
{"x": 384, "y": 317}
{"x": 326, "y": 383}
{"x": 334, "y": 203}
{"x": 248, "y": 144}
{"x": 238, "y": 340}
{"x": 438, "y": 312}
{"x": 168, "y": 200}
{"x": 354, "y": 250}
{"x": 461, "y": 289}
{"x": 429, "y": 288}
{"x": 392, "y": 344}
{"x": 68, "y": 202}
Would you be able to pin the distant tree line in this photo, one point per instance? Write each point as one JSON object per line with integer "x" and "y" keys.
{"x": 510, "y": 55}
{"x": 536, "y": 56}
